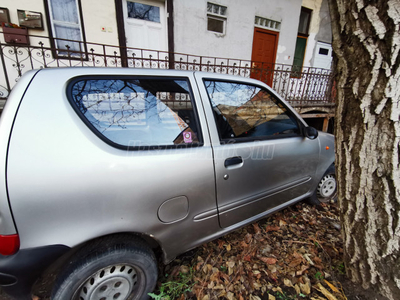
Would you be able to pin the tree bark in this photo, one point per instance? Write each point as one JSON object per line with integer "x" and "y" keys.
{"x": 366, "y": 44}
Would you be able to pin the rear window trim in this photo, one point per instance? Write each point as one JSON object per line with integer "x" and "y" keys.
{"x": 101, "y": 136}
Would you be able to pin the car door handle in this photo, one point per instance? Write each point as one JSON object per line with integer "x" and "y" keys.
{"x": 236, "y": 160}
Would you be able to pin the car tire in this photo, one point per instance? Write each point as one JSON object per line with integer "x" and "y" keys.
{"x": 116, "y": 267}
{"x": 326, "y": 190}
{"x": 327, "y": 187}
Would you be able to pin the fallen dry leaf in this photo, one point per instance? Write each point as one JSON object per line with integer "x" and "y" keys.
{"x": 307, "y": 257}
{"x": 297, "y": 288}
{"x": 219, "y": 287}
{"x": 248, "y": 238}
{"x": 317, "y": 260}
{"x": 230, "y": 296}
{"x": 271, "y": 297}
{"x": 184, "y": 269}
{"x": 277, "y": 254}
{"x": 298, "y": 255}
{"x": 287, "y": 282}
{"x": 332, "y": 287}
{"x": 305, "y": 288}
{"x": 326, "y": 293}
{"x": 257, "y": 228}
{"x": 282, "y": 223}
{"x": 247, "y": 258}
{"x": 268, "y": 260}
{"x": 302, "y": 270}
{"x": 243, "y": 244}
{"x": 257, "y": 285}
{"x": 295, "y": 262}
{"x": 272, "y": 228}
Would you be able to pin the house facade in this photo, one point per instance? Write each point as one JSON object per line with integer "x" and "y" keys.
{"x": 260, "y": 37}
{"x": 273, "y": 31}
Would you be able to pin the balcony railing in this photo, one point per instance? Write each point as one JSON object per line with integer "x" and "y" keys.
{"x": 307, "y": 87}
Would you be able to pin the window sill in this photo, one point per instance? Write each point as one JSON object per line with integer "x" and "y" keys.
{"x": 218, "y": 34}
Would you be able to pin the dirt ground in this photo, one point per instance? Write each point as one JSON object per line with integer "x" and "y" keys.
{"x": 293, "y": 254}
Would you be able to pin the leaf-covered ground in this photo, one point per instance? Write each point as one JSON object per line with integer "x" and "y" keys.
{"x": 294, "y": 254}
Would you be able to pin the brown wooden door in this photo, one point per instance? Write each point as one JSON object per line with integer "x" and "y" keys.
{"x": 265, "y": 44}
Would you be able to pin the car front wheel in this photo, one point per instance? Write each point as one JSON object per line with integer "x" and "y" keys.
{"x": 112, "y": 268}
{"x": 327, "y": 186}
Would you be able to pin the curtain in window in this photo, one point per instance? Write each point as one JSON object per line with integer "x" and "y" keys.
{"x": 65, "y": 22}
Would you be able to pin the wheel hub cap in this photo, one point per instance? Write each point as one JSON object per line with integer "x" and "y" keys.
{"x": 327, "y": 186}
{"x": 110, "y": 283}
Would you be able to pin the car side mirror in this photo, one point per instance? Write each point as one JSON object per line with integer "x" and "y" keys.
{"x": 311, "y": 133}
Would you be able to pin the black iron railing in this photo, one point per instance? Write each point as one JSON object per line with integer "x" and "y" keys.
{"x": 308, "y": 87}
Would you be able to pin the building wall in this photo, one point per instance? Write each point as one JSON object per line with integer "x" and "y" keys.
{"x": 96, "y": 14}
{"x": 320, "y": 28}
{"x": 33, "y": 5}
{"x": 192, "y": 36}
{"x": 325, "y": 31}
{"x": 190, "y": 28}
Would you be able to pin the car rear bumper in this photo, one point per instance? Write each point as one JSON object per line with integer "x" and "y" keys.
{"x": 19, "y": 272}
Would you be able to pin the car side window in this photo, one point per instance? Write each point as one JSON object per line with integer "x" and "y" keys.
{"x": 130, "y": 112}
{"x": 247, "y": 112}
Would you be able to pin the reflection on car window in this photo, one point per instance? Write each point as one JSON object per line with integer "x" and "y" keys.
{"x": 247, "y": 111}
{"x": 138, "y": 112}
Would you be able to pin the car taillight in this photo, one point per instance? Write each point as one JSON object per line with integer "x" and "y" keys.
{"x": 9, "y": 244}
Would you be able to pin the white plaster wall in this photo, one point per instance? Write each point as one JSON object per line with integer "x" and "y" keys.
{"x": 13, "y": 5}
{"x": 315, "y": 5}
{"x": 191, "y": 35}
{"x": 96, "y": 14}
{"x": 33, "y": 5}
{"x": 190, "y": 18}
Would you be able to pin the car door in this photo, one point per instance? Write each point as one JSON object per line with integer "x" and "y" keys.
{"x": 262, "y": 160}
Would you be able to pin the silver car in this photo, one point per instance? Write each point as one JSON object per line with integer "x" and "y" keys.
{"x": 104, "y": 166}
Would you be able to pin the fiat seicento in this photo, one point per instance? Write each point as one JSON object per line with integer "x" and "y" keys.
{"x": 103, "y": 166}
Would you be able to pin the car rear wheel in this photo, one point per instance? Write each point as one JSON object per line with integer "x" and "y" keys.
{"x": 113, "y": 268}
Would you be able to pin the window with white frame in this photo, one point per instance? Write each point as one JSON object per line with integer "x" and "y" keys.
{"x": 216, "y": 17}
{"x": 66, "y": 26}
{"x": 267, "y": 23}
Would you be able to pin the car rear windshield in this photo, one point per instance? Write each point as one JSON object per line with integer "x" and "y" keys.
{"x": 138, "y": 112}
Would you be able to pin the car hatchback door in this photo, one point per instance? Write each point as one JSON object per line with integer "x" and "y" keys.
{"x": 262, "y": 160}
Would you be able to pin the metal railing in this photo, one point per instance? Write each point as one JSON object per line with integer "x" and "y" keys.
{"x": 305, "y": 87}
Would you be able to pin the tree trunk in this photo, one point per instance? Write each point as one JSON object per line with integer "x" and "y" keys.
{"x": 366, "y": 43}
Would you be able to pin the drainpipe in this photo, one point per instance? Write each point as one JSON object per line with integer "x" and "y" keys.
{"x": 170, "y": 23}
{"x": 121, "y": 33}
